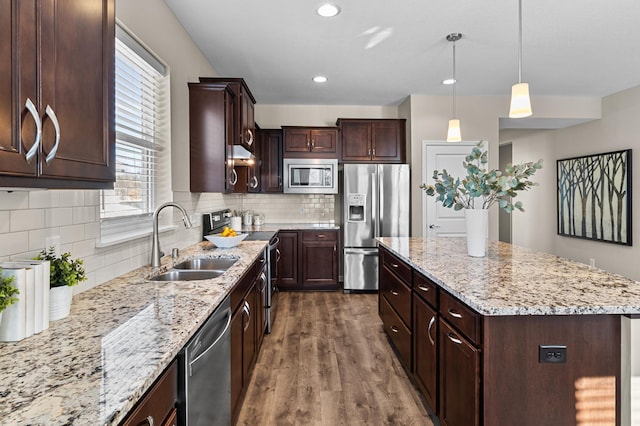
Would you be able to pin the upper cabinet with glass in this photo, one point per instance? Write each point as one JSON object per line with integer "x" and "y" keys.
{"x": 56, "y": 94}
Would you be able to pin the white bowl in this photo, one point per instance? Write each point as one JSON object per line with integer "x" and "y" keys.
{"x": 226, "y": 242}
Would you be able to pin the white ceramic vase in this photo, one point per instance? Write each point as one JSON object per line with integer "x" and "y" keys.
{"x": 60, "y": 302}
{"x": 477, "y": 223}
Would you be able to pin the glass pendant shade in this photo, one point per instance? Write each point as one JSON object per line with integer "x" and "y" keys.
{"x": 520, "y": 101}
{"x": 453, "y": 134}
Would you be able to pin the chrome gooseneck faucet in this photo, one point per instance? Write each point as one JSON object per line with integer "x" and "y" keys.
{"x": 156, "y": 253}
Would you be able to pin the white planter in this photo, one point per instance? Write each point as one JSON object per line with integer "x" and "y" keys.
{"x": 477, "y": 223}
{"x": 60, "y": 302}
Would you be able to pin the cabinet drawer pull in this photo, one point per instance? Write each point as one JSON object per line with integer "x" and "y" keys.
{"x": 148, "y": 421}
{"x": 56, "y": 125}
{"x": 395, "y": 293}
{"x": 423, "y": 288}
{"x": 36, "y": 118}
{"x": 455, "y": 314}
{"x": 431, "y": 322}
{"x": 234, "y": 177}
{"x": 319, "y": 235}
{"x": 394, "y": 329}
{"x": 394, "y": 265}
{"x": 250, "y": 141}
{"x": 455, "y": 340}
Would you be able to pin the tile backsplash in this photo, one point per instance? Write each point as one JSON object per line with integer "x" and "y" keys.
{"x": 27, "y": 218}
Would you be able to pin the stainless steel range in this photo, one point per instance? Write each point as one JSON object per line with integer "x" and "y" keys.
{"x": 214, "y": 223}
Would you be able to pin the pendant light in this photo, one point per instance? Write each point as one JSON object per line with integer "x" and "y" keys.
{"x": 520, "y": 101}
{"x": 453, "y": 134}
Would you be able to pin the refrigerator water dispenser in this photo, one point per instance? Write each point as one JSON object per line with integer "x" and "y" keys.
{"x": 356, "y": 207}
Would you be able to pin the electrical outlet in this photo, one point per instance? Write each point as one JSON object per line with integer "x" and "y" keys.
{"x": 592, "y": 262}
{"x": 301, "y": 210}
{"x": 554, "y": 354}
{"x": 53, "y": 241}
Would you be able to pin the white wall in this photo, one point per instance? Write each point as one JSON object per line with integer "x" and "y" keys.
{"x": 618, "y": 129}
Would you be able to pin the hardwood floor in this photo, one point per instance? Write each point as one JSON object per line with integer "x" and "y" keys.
{"x": 328, "y": 362}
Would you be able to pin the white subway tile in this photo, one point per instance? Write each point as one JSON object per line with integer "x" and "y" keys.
{"x": 83, "y": 248}
{"x": 13, "y": 200}
{"x": 22, "y": 220}
{"x": 92, "y": 197}
{"x": 44, "y": 199}
{"x": 14, "y": 242}
{"x": 61, "y": 216}
{"x": 5, "y": 221}
{"x": 84, "y": 214}
{"x": 71, "y": 198}
{"x": 92, "y": 230}
{"x": 72, "y": 234}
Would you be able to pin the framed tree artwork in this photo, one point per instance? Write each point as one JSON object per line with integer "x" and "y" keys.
{"x": 594, "y": 197}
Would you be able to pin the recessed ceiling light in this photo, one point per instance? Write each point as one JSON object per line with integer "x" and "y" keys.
{"x": 328, "y": 10}
{"x": 448, "y": 81}
{"x": 320, "y": 79}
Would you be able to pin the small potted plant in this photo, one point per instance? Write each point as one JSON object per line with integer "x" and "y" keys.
{"x": 479, "y": 190}
{"x": 64, "y": 274}
{"x": 7, "y": 293}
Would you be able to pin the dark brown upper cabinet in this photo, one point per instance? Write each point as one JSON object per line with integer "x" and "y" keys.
{"x": 270, "y": 149}
{"x": 310, "y": 142}
{"x": 57, "y": 81}
{"x": 244, "y": 126}
{"x": 212, "y": 109}
{"x": 372, "y": 140}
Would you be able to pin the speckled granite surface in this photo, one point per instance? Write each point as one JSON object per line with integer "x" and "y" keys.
{"x": 92, "y": 367}
{"x": 513, "y": 280}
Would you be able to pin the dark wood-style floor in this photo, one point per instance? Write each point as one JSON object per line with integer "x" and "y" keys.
{"x": 328, "y": 362}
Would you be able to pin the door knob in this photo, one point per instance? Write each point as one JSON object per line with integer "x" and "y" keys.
{"x": 433, "y": 226}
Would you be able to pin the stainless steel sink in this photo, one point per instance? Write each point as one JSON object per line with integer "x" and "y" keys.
{"x": 187, "y": 275}
{"x": 206, "y": 263}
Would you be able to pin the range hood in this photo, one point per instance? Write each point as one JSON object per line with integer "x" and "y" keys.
{"x": 242, "y": 157}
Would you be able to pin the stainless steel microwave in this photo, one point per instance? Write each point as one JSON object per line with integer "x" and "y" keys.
{"x": 310, "y": 176}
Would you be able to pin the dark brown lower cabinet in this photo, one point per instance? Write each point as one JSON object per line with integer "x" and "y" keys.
{"x": 425, "y": 351}
{"x": 308, "y": 260}
{"x": 159, "y": 404}
{"x": 459, "y": 379}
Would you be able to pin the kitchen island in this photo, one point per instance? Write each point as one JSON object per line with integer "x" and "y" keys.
{"x": 517, "y": 337}
{"x": 92, "y": 367}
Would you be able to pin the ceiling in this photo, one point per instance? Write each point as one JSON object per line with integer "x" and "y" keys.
{"x": 377, "y": 52}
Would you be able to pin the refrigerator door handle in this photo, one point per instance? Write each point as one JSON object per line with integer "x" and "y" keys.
{"x": 363, "y": 251}
{"x": 375, "y": 209}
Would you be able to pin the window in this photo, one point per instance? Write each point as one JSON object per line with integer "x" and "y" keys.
{"x": 142, "y": 123}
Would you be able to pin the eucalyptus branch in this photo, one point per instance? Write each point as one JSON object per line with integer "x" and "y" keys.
{"x": 493, "y": 186}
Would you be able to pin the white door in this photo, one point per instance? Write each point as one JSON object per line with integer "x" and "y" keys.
{"x": 436, "y": 219}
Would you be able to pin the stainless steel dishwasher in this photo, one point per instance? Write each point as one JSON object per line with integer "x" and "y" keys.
{"x": 205, "y": 373}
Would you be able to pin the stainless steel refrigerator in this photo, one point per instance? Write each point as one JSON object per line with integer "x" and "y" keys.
{"x": 375, "y": 204}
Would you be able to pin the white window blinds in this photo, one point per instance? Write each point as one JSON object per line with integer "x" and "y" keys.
{"x": 142, "y": 121}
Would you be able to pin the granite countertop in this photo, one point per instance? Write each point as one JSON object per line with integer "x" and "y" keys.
{"x": 93, "y": 366}
{"x": 513, "y": 280}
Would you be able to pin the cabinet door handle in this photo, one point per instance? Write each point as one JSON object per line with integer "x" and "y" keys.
{"x": 277, "y": 255}
{"x": 313, "y": 144}
{"x": 148, "y": 421}
{"x": 431, "y": 322}
{"x": 369, "y": 152}
{"x": 374, "y": 152}
{"x": 455, "y": 314}
{"x": 254, "y": 182}
{"x": 56, "y": 125}
{"x": 394, "y": 329}
{"x": 234, "y": 177}
{"x": 247, "y": 310}
{"x": 334, "y": 248}
{"x": 455, "y": 340}
{"x": 395, "y": 293}
{"x": 423, "y": 288}
{"x": 36, "y": 118}
{"x": 250, "y": 140}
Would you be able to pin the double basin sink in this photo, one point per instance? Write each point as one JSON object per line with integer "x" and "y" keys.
{"x": 200, "y": 268}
